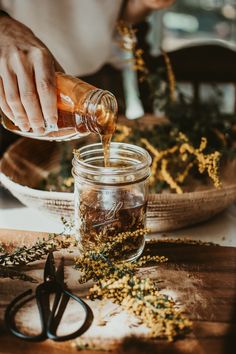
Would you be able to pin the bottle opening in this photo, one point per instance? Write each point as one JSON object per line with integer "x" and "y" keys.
{"x": 101, "y": 112}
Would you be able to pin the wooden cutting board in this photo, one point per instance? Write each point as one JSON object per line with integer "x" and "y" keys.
{"x": 202, "y": 279}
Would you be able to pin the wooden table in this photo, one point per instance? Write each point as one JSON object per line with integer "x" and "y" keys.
{"x": 202, "y": 278}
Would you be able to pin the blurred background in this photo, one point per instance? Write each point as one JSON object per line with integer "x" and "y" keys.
{"x": 188, "y": 23}
{"x": 190, "y": 20}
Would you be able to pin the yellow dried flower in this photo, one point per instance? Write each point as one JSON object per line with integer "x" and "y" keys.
{"x": 128, "y": 42}
{"x": 170, "y": 76}
{"x": 68, "y": 182}
{"x": 182, "y": 175}
{"x": 168, "y": 178}
{"x": 118, "y": 282}
{"x": 206, "y": 162}
{"x": 122, "y": 132}
{"x": 127, "y": 36}
{"x": 183, "y": 150}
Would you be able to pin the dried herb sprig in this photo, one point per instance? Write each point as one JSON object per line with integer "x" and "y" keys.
{"x": 100, "y": 258}
{"x": 2, "y": 248}
{"x": 141, "y": 298}
{"x": 127, "y": 41}
{"x": 8, "y": 272}
{"x": 126, "y": 36}
{"x": 206, "y": 162}
{"x": 170, "y": 76}
{"x": 120, "y": 283}
{"x": 173, "y": 165}
{"x": 24, "y": 255}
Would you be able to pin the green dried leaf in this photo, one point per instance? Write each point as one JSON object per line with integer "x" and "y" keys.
{"x": 8, "y": 272}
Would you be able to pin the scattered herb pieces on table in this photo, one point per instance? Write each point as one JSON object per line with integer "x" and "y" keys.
{"x": 121, "y": 284}
{"x": 24, "y": 255}
{"x": 113, "y": 280}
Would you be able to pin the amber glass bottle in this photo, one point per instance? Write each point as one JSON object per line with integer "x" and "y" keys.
{"x": 82, "y": 109}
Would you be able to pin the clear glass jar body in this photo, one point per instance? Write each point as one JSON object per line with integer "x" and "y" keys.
{"x": 82, "y": 109}
{"x": 111, "y": 200}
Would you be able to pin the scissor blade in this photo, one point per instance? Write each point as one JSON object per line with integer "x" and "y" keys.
{"x": 49, "y": 269}
{"x": 60, "y": 272}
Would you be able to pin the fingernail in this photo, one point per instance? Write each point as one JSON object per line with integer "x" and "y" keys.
{"x": 51, "y": 124}
{"x": 39, "y": 131}
{"x": 52, "y": 127}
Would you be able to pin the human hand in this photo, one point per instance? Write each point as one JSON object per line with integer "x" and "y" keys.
{"x": 27, "y": 78}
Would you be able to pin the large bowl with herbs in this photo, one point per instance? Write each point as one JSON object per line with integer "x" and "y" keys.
{"x": 39, "y": 175}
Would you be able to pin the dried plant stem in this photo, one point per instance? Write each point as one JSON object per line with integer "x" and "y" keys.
{"x": 24, "y": 255}
{"x": 119, "y": 283}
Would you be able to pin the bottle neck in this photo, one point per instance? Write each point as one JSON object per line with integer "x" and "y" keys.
{"x": 98, "y": 112}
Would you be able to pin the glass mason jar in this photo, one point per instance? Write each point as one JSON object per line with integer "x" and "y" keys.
{"x": 82, "y": 109}
{"x": 111, "y": 200}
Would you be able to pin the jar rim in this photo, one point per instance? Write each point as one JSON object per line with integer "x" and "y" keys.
{"x": 143, "y": 164}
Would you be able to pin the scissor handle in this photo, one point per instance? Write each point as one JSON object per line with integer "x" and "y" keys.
{"x": 11, "y": 312}
{"x": 48, "y": 318}
{"x": 88, "y": 318}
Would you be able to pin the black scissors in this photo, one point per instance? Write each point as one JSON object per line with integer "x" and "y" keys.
{"x": 50, "y": 318}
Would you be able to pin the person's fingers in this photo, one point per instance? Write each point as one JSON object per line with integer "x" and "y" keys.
{"x": 28, "y": 93}
{"x": 13, "y": 99}
{"x": 46, "y": 88}
{"x": 3, "y": 103}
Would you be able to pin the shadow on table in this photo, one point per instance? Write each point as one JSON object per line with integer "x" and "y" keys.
{"x": 229, "y": 345}
{"x": 7, "y": 201}
{"x": 135, "y": 345}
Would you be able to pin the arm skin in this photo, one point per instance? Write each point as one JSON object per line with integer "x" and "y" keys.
{"x": 135, "y": 11}
{"x": 27, "y": 77}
